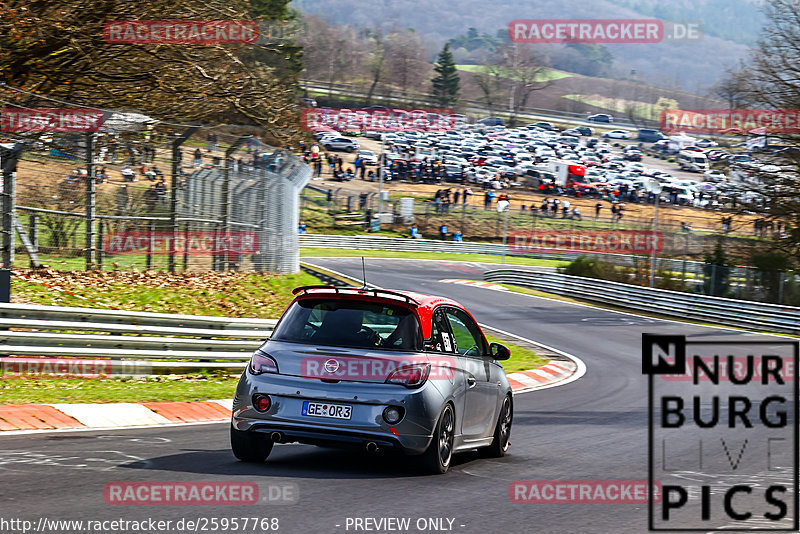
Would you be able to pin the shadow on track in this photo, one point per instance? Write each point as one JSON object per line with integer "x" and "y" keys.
{"x": 298, "y": 461}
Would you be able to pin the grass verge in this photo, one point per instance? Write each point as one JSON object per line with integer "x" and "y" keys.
{"x": 41, "y": 390}
{"x": 226, "y": 294}
{"x": 443, "y": 256}
{"x": 521, "y": 359}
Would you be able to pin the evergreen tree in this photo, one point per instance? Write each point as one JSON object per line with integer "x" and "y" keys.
{"x": 446, "y": 83}
{"x": 716, "y": 271}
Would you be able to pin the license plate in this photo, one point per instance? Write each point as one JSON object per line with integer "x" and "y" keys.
{"x": 323, "y": 409}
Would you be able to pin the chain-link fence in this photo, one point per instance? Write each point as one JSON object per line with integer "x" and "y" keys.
{"x": 152, "y": 196}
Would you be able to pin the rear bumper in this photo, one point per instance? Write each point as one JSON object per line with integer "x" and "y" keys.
{"x": 336, "y": 437}
{"x": 411, "y": 435}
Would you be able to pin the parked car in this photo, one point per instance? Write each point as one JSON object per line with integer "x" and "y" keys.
{"x": 574, "y": 132}
{"x": 378, "y": 370}
{"x": 617, "y": 134}
{"x": 340, "y": 143}
{"x": 600, "y": 117}
{"x": 543, "y": 125}
{"x": 661, "y": 146}
{"x": 584, "y": 130}
{"x": 714, "y": 175}
{"x": 649, "y": 135}
{"x": 368, "y": 156}
{"x": 491, "y": 121}
{"x": 692, "y": 161}
{"x": 706, "y": 143}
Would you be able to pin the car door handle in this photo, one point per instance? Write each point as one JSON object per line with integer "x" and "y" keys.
{"x": 471, "y": 381}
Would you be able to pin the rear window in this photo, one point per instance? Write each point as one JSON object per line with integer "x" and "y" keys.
{"x": 350, "y": 323}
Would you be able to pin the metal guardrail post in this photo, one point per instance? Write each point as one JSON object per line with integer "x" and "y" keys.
{"x": 91, "y": 202}
{"x": 149, "y": 258}
{"x": 33, "y": 232}
{"x": 100, "y": 253}
{"x": 222, "y": 260}
{"x": 173, "y": 194}
{"x": 9, "y": 156}
{"x": 5, "y": 285}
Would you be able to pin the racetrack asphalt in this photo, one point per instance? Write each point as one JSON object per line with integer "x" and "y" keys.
{"x": 593, "y": 428}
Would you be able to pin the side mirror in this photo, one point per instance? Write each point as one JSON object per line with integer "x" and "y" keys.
{"x": 499, "y": 352}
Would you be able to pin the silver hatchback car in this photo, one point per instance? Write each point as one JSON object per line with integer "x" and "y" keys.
{"x": 376, "y": 369}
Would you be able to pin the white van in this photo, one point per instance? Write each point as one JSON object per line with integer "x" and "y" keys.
{"x": 692, "y": 161}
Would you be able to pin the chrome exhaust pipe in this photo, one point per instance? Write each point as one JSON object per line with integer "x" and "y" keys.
{"x": 372, "y": 447}
{"x": 276, "y": 437}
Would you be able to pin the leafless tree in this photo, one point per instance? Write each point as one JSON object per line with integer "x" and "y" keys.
{"x": 406, "y": 62}
{"x": 527, "y": 73}
{"x": 375, "y": 59}
{"x": 489, "y": 79}
{"x": 57, "y": 48}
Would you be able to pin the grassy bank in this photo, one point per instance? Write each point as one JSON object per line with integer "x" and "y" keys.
{"x": 208, "y": 293}
{"x": 441, "y": 256}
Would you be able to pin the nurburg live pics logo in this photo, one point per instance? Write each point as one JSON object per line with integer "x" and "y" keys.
{"x": 722, "y": 434}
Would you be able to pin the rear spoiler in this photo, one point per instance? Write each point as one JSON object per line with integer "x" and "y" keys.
{"x": 376, "y": 292}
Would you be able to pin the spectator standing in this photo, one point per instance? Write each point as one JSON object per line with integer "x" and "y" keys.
{"x": 597, "y": 208}
{"x": 198, "y": 157}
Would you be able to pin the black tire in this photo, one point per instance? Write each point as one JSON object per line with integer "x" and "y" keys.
{"x": 250, "y": 446}
{"x": 350, "y": 149}
{"x": 437, "y": 458}
{"x": 502, "y": 432}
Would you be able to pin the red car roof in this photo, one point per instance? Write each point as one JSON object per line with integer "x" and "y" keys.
{"x": 420, "y": 303}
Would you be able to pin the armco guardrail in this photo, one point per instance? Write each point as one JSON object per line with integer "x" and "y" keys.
{"x": 745, "y": 314}
{"x": 346, "y": 89}
{"x": 364, "y": 242}
{"x": 133, "y": 341}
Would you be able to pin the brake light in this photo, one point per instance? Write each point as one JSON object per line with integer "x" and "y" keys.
{"x": 410, "y": 375}
{"x": 261, "y": 362}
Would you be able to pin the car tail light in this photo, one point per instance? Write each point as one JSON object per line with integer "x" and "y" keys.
{"x": 410, "y": 375}
{"x": 261, "y": 402}
{"x": 261, "y": 362}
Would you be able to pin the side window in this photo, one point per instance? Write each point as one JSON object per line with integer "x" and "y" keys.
{"x": 468, "y": 338}
{"x": 440, "y": 335}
